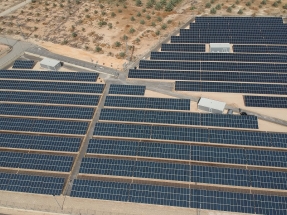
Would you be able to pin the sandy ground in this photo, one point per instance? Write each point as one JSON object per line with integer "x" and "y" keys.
{"x": 6, "y": 4}
{"x": 3, "y": 50}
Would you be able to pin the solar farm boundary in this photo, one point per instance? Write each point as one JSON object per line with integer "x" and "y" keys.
{"x": 220, "y": 145}
{"x": 84, "y": 144}
{"x": 189, "y": 162}
{"x": 174, "y": 125}
{"x": 48, "y": 104}
{"x": 45, "y": 118}
{"x": 157, "y": 46}
{"x": 183, "y": 184}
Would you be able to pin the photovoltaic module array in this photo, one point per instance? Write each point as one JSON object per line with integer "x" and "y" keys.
{"x": 49, "y": 75}
{"x": 183, "y": 118}
{"x": 23, "y": 64}
{"x": 265, "y": 101}
{"x": 127, "y": 89}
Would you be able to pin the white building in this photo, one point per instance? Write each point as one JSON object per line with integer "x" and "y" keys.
{"x": 211, "y": 106}
{"x": 50, "y": 64}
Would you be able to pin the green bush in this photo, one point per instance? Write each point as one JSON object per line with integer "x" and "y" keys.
{"x": 218, "y": 7}
{"x": 148, "y": 17}
{"x": 122, "y": 54}
{"x": 98, "y": 49}
{"x": 74, "y": 34}
{"x": 102, "y": 23}
{"x": 229, "y": 10}
{"x": 101, "y": 6}
{"x": 132, "y": 30}
{"x": 248, "y": 4}
{"x": 162, "y": 2}
{"x": 113, "y": 14}
{"x": 164, "y": 26}
{"x": 133, "y": 18}
{"x": 95, "y": 11}
{"x": 142, "y": 22}
{"x": 240, "y": 11}
{"x": 237, "y": 2}
{"x": 285, "y": 6}
{"x": 149, "y": 4}
{"x": 213, "y": 11}
{"x": 117, "y": 44}
{"x": 169, "y": 6}
{"x": 120, "y": 10}
{"x": 139, "y": 14}
{"x": 233, "y": 6}
{"x": 153, "y": 24}
{"x": 208, "y": 5}
{"x": 158, "y": 6}
{"x": 159, "y": 19}
{"x": 157, "y": 32}
{"x": 275, "y": 4}
{"x": 139, "y": 3}
{"x": 212, "y": 1}
{"x": 264, "y": 2}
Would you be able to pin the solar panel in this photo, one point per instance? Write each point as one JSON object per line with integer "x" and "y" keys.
{"x": 145, "y": 102}
{"x": 184, "y": 56}
{"x": 46, "y": 126}
{"x": 260, "y": 49}
{"x": 36, "y": 161}
{"x": 51, "y": 86}
{"x": 127, "y": 89}
{"x": 49, "y": 75}
{"x": 23, "y": 64}
{"x": 40, "y": 142}
{"x": 237, "y": 137}
{"x": 184, "y": 118}
{"x": 46, "y": 111}
{"x": 183, "y": 47}
{"x": 275, "y": 89}
{"x": 265, "y": 101}
{"x": 32, "y": 184}
{"x": 213, "y": 66}
{"x": 54, "y": 98}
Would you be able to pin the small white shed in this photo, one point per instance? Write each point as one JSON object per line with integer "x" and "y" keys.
{"x": 219, "y": 47}
{"x": 50, "y": 64}
{"x": 211, "y": 106}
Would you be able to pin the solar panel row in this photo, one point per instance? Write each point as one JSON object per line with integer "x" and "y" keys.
{"x": 189, "y": 152}
{"x": 31, "y": 184}
{"x": 46, "y": 126}
{"x": 146, "y": 102}
{"x": 127, "y": 89}
{"x": 54, "y": 98}
{"x": 183, "y": 118}
{"x": 36, "y": 161}
{"x": 213, "y": 66}
{"x": 182, "y": 197}
{"x": 260, "y": 20}
{"x": 199, "y": 31}
{"x": 265, "y": 101}
{"x": 218, "y": 57}
{"x": 275, "y": 89}
{"x": 229, "y": 39}
{"x": 40, "y": 142}
{"x": 51, "y": 86}
{"x": 260, "y": 49}
{"x": 49, "y": 75}
{"x": 184, "y": 172}
{"x": 208, "y": 76}
{"x": 183, "y": 47}
{"x": 46, "y": 111}
{"x": 23, "y": 64}
{"x": 268, "y": 139}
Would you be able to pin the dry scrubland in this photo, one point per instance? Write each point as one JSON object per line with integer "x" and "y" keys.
{"x": 6, "y": 4}
{"x": 107, "y": 30}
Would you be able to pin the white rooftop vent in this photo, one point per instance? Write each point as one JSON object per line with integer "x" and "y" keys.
{"x": 219, "y": 47}
{"x": 50, "y": 64}
{"x": 211, "y": 106}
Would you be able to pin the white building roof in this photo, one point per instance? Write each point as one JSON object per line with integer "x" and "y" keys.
{"x": 219, "y": 45}
{"x": 211, "y": 104}
{"x": 50, "y": 62}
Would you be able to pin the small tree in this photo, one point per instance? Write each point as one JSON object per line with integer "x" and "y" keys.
{"x": 132, "y": 30}
{"x": 213, "y": 11}
{"x": 159, "y": 19}
{"x": 208, "y": 5}
{"x": 212, "y": 1}
{"x": 275, "y": 4}
{"x": 237, "y": 2}
{"x": 153, "y": 24}
{"x": 240, "y": 11}
{"x": 74, "y": 34}
{"x": 158, "y": 6}
{"x": 169, "y": 6}
{"x": 122, "y": 54}
{"x": 148, "y": 17}
{"x": 98, "y": 49}
{"x": 125, "y": 37}
{"x": 133, "y": 18}
{"x": 117, "y": 44}
{"x": 149, "y": 4}
{"x": 139, "y": 14}
{"x": 164, "y": 26}
{"x": 142, "y": 22}
{"x": 139, "y": 3}
{"x": 248, "y": 4}
{"x": 218, "y": 7}
{"x": 233, "y": 6}
{"x": 229, "y": 10}
{"x": 162, "y": 2}
{"x": 113, "y": 14}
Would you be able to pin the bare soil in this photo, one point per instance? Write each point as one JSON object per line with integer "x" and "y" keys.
{"x": 6, "y": 4}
